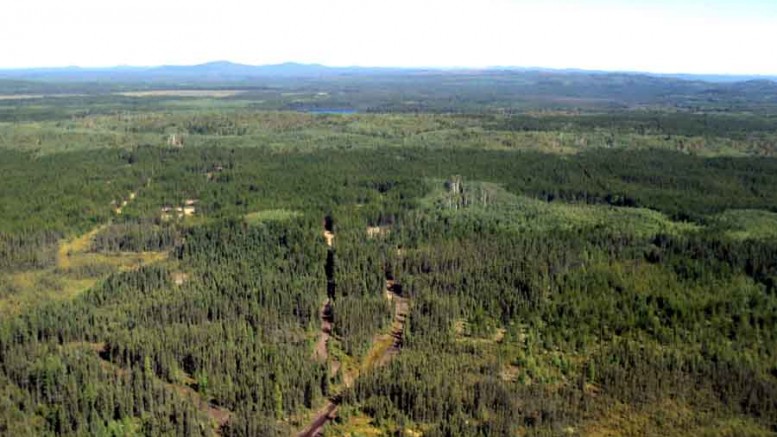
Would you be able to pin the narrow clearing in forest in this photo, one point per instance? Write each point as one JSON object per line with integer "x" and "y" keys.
{"x": 384, "y": 348}
{"x": 325, "y": 315}
{"x": 328, "y": 411}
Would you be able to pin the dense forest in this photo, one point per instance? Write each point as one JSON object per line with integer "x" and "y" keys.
{"x": 198, "y": 264}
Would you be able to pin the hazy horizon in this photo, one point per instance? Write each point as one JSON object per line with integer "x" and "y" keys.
{"x": 712, "y": 37}
{"x": 388, "y": 67}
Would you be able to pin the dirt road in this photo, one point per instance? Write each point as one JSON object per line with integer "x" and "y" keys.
{"x": 324, "y": 415}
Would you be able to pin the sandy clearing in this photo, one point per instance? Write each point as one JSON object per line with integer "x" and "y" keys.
{"x": 330, "y": 238}
{"x": 499, "y": 335}
{"x": 509, "y": 373}
{"x": 180, "y": 278}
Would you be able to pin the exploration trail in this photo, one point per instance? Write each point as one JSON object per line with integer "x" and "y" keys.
{"x": 325, "y": 315}
{"x": 329, "y": 411}
{"x": 384, "y": 348}
{"x": 401, "y": 309}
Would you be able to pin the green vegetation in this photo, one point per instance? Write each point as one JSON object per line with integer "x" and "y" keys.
{"x": 492, "y": 205}
{"x": 270, "y": 215}
{"x": 747, "y": 224}
{"x": 163, "y": 264}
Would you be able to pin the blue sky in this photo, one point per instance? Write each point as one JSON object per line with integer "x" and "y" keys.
{"x": 713, "y": 36}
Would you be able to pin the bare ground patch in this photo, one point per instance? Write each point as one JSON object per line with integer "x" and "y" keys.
{"x": 330, "y": 238}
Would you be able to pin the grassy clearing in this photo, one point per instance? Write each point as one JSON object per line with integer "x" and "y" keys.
{"x": 23, "y": 289}
{"x": 76, "y": 246}
{"x": 746, "y": 224}
{"x": 492, "y": 203}
{"x": 74, "y": 254}
{"x": 488, "y": 333}
{"x": 352, "y": 423}
{"x": 121, "y": 261}
{"x": 347, "y": 369}
{"x": 270, "y": 215}
{"x": 76, "y": 271}
{"x": 668, "y": 418}
{"x": 46, "y": 137}
{"x": 379, "y": 347}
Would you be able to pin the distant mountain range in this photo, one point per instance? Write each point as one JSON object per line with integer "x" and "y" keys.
{"x": 212, "y": 71}
{"x": 229, "y": 71}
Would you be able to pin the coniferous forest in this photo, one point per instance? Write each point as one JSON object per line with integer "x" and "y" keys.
{"x": 318, "y": 258}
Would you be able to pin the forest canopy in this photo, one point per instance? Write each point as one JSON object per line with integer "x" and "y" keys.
{"x": 389, "y": 258}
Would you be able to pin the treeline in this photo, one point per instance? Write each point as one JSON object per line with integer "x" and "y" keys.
{"x": 713, "y": 125}
{"x": 683, "y": 186}
{"x": 58, "y": 192}
{"x": 29, "y": 250}
{"x": 135, "y": 237}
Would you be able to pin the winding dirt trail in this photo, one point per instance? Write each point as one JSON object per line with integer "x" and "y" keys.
{"x": 384, "y": 348}
{"x": 329, "y": 411}
{"x": 320, "y": 352}
{"x": 324, "y": 415}
{"x": 401, "y": 309}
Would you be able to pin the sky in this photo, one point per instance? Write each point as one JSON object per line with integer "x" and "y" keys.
{"x": 660, "y": 36}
